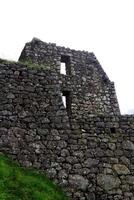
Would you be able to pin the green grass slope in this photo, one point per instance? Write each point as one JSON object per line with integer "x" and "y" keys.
{"x": 17, "y": 183}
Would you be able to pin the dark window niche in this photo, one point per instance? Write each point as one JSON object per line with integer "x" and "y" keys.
{"x": 113, "y": 130}
{"x": 66, "y": 98}
{"x": 65, "y": 65}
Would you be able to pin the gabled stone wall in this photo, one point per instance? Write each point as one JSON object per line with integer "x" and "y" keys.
{"x": 91, "y": 90}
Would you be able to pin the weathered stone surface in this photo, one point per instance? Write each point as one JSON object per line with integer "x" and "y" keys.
{"x": 125, "y": 160}
{"x": 121, "y": 169}
{"x": 108, "y": 182}
{"x": 91, "y": 162}
{"x": 130, "y": 180}
{"x": 91, "y": 196}
{"x": 63, "y": 174}
{"x": 78, "y": 182}
{"x": 112, "y": 146}
{"x": 51, "y": 172}
{"x": 128, "y": 145}
{"x": 10, "y": 96}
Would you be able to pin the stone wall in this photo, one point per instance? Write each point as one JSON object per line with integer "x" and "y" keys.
{"x": 90, "y": 156}
{"x": 109, "y": 143}
{"x": 91, "y": 90}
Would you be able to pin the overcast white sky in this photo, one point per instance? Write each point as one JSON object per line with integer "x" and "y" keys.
{"x": 105, "y": 27}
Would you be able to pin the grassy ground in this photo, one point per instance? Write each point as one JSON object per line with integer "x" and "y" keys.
{"x": 17, "y": 183}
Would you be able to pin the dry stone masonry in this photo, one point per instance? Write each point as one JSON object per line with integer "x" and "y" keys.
{"x": 84, "y": 144}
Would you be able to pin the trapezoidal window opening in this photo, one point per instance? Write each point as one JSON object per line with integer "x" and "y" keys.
{"x": 66, "y": 98}
{"x": 65, "y": 65}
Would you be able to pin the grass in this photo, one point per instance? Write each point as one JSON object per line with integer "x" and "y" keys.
{"x": 29, "y": 63}
{"x": 17, "y": 183}
{"x": 4, "y": 61}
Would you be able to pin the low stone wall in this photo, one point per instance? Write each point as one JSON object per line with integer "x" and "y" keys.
{"x": 89, "y": 160}
{"x": 110, "y": 150}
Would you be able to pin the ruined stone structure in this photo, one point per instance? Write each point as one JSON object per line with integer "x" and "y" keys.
{"x": 84, "y": 144}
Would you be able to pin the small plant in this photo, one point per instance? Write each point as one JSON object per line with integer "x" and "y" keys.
{"x": 29, "y": 63}
{"x": 32, "y": 65}
{"x": 4, "y": 61}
